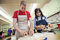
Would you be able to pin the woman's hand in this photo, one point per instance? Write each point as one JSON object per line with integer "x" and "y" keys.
{"x": 42, "y": 26}
{"x": 50, "y": 25}
{"x": 37, "y": 27}
{"x": 23, "y": 33}
{"x": 31, "y": 32}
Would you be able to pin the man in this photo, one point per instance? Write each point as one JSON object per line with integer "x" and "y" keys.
{"x": 20, "y": 19}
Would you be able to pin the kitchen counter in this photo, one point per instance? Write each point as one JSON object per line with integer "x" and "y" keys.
{"x": 40, "y": 36}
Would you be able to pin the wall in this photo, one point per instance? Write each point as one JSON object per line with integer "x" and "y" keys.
{"x": 0, "y": 27}
{"x": 55, "y": 18}
{"x": 51, "y": 8}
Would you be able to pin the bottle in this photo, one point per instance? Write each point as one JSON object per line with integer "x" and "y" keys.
{"x": 45, "y": 38}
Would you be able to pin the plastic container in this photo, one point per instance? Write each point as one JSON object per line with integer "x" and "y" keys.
{"x": 45, "y": 38}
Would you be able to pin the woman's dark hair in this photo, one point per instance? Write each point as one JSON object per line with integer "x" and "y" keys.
{"x": 36, "y": 10}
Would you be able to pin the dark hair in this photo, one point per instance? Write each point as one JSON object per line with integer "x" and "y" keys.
{"x": 22, "y": 2}
{"x": 38, "y": 9}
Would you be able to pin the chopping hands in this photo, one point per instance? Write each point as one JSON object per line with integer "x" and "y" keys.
{"x": 24, "y": 33}
{"x": 31, "y": 32}
{"x": 43, "y": 26}
{"x": 40, "y": 27}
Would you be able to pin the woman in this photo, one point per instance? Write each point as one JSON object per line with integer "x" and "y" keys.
{"x": 40, "y": 21}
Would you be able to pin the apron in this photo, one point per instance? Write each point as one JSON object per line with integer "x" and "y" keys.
{"x": 41, "y": 22}
{"x": 22, "y": 24}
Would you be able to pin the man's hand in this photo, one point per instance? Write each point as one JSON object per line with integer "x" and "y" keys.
{"x": 31, "y": 32}
{"x": 23, "y": 33}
